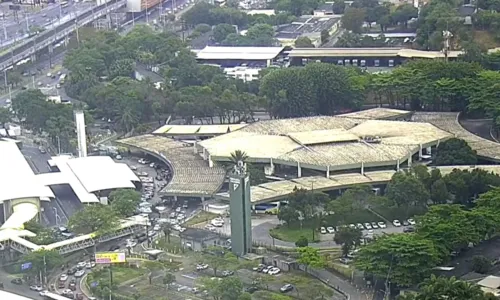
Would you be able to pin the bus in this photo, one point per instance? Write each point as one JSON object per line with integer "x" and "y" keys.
{"x": 64, "y": 4}
{"x": 62, "y": 78}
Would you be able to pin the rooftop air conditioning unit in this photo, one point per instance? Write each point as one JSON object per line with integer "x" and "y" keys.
{"x": 372, "y": 139}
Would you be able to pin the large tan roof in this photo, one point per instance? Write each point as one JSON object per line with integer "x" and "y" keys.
{"x": 201, "y": 130}
{"x": 369, "y": 52}
{"x": 191, "y": 174}
{"x": 337, "y": 142}
{"x": 379, "y": 113}
{"x": 449, "y": 122}
{"x": 278, "y": 190}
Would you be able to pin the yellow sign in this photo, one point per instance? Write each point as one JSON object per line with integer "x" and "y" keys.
{"x": 109, "y": 257}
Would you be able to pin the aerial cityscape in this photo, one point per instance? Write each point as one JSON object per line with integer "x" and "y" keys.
{"x": 249, "y": 149}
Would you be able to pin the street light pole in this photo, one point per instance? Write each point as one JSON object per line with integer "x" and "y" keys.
{"x": 4, "y": 29}
{"x": 55, "y": 211}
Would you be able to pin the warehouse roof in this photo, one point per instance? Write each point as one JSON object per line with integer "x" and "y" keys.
{"x": 369, "y": 52}
{"x": 278, "y": 190}
{"x": 336, "y": 142}
{"x": 449, "y": 122}
{"x": 241, "y": 53}
{"x": 191, "y": 174}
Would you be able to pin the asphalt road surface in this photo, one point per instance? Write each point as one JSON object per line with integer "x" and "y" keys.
{"x": 17, "y": 28}
{"x": 40, "y": 80}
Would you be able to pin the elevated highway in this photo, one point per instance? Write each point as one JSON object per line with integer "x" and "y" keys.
{"x": 56, "y": 33}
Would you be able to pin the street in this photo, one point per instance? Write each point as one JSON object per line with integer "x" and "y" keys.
{"x": 15, "y": 29}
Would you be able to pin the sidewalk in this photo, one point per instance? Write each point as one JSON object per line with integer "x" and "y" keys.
{"x": 342, "y": 285}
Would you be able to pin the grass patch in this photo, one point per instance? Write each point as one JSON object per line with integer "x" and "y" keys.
{"x": 174, "y": 246}
{"x": 344, "y": 270}
{"x": 121, "y": 274}
{"x": 267, "y": 295}
{"x": 201, "y": 217}
{"x": 292, "y": 234}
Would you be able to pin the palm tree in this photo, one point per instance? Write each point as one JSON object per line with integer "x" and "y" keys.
{"x": 167, "y": 231}
{"x": 448, "y": 288}
{"x": 237, "y": 156}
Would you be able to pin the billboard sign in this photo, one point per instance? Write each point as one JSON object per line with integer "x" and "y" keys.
{"x": 110, "y": 257}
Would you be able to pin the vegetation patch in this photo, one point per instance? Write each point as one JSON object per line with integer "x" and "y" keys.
{"x": 203, "y": 216}
{"x": 293, "y": 233}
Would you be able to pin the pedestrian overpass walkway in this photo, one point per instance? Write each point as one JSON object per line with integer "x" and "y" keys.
{"x": 14, "y": 238}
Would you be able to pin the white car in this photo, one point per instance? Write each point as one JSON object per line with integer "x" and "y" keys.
{"x": 352, "y": 226}
{"x": 411, "y": 222}
{"x": 360, "y": 226}
{"x": 131, "y": 245}
{"x": 36, "y": 288}
{"x": 200, "y": 267}
{"x": 79, "y": 273}
{"x": 330, "y": 229}
{"x": 81, "y": 265}
{"x": 323, "y": 230}
{"x": 368, "y": 226}
{"x": 217, "y": 224}
{"x": 381, "y": 225}
{"x": 44, "y": 293}
{"x": 274, "y": 271}
{"x": 157, "y": 227}
{"x": 267, "y": 269}
{"x": 64, "y": 277}
{"x": 182, "y": 229}
{"x": 396, "y": 223}
{"x": 370, "y": 232}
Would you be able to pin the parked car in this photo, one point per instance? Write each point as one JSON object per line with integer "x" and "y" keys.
{"x": 17, "y": 281}
{"x": 200, "y": 267}
{"x": 330, "y": 229}
{"x": 267, "y": 269}
{"x": 274, "y": 271}
{"x": 286, "y": 288}
{"x": 411, "y": 222}
{"x": 409, "y": 229}
{"x": 323, "y": 230}
{"x": 381, "y": 224}
{"x": 375, "y": 225}
{"x": 368, "y": 226}
{"x": 360, "y": 226}
{"x": 396, "y": 223}
{"x": 259, "y": 268}
{"x": 63, "y": 277}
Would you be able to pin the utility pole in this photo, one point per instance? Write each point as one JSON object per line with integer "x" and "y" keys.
{"x": 147, "y": 16}
{"x": 4, "y": 29}
{"x": 27, "y": 22}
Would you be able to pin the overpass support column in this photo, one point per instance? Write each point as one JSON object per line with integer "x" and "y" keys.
{"x": 66, "y": 41}
{"x": 210, "y": 162}
{"x": 420, "y": 152}
{"x": 397, "y": 166}
{"x": 362, "y": 168}
{"x": 33, "y": 57}
{"x": 268, "y": 63}
{"x": 327, "y": 171}
{"x": 409, "y": 160}
{"x": 194, "y": 147}
{"x": 299, "y": 170}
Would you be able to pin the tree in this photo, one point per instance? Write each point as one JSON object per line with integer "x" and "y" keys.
{"x": 349, "y": 238}
{"x": 229, "y": 288}
{"x": 5, "y": 116}
{"x": 169, "y": 278}
{"x": 237, "y": 156}
{"x": 317, "y": 88}
{"x": 257, "y": 175}
{"x": 217, "y": 258}
{"x": 338, "y": 7}
{"x": 404, "y": 259}
{"x": 353, "y": 19}
{"x": 303, "y": 42}
{"x": 42, "y": 261}
{"x": 167, "y": 231}
{"x": 94, "y": 218}
{"x": 310, "y": 257}
{"x": 288, "y": 215}
{"x": 221, "y": 31}
{"x": 405, "y": 189}
{"x": 302, "y": 242}
{"x": 203, "y": 28}
{"x": 404, "y": 13}
{"x": 124, "y": 201}
{"x": 449, "y": 288}
{"x": 481, "y": 264}
{"x": 439, "y": 192}
{"x": 440, "y": 223}
{"x": 455, "y": 152}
